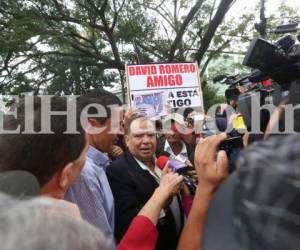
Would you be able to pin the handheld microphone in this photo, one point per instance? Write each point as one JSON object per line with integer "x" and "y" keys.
{"x": 174, "y": 164}
{"x": 177, "y": 166}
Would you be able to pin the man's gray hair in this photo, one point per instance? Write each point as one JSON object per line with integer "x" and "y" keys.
{"x": 43, "y": 224}
{"x": 141, "y": 119}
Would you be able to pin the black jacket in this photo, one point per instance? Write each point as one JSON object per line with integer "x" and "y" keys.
{"x": 132, "y": 187}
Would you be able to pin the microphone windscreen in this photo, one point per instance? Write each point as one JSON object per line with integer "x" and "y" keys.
{"x": 162, "y": 161}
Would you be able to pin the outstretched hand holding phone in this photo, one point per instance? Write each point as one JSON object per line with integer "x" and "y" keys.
{"x": 212, "y": 170}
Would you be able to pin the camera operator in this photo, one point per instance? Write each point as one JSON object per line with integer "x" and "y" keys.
{"x": 266, "y": 210}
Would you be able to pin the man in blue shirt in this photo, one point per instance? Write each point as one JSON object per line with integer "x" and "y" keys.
{"x": 91, "y": 192}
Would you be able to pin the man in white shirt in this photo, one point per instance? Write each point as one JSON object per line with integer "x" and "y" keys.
{"x": 172, "y": 142}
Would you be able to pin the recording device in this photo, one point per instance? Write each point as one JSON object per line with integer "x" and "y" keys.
{"x": 178, "y": 166}
{"x": 230, "y": 144}
{"x": 281, "y": 63}
{"x": 276, "y": 66}
{"x": 232, "y": 147}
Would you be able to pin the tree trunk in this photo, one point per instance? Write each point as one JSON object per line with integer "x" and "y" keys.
{"x": 223, "y": 8}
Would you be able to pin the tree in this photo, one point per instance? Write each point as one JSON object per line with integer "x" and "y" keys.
{"x": 96, "y": 34}
{"x": 70, "y": 46}
{"x": 225, "y": 63}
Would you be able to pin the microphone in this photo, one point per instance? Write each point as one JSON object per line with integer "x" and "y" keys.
{"x": 162, "y": 161}
{"x": 174, "y": 164}
{"x": 179, "y": 167}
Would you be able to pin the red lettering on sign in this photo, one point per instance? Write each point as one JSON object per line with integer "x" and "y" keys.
{"x": 177, "y": 68}
{"x": 164, "y": 81}
{"x": 143, "y": 70}
{"x": 162, "y": 69}
{"x": 150, "y": 82}
{"x": 131, "y": 71}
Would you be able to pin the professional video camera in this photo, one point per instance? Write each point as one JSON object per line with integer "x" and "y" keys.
{"x": 281, "y": 63}
{"x": 276, "y": 66}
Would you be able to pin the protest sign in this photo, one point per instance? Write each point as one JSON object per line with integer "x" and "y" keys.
{"x": 153, "y": 88}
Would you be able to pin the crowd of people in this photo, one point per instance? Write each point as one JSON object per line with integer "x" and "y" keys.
{"x": 101, "y": 187}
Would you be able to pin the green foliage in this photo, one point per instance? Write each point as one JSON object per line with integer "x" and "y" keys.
{"x": 55, "y": 46}
{"x": 210, "y": 96}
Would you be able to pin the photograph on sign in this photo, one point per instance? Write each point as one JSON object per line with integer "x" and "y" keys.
{"x": 149, "y": 104}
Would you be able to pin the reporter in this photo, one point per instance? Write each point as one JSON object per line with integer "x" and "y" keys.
{"x": 211, "y": 173}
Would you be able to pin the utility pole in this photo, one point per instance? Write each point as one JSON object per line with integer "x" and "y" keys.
{"x": 262, "y": 26}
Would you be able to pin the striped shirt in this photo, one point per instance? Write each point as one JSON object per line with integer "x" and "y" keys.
{"x": 92, "y": 193}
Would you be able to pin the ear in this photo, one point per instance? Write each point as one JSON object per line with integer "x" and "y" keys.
{"x": 66, "y": 176}
{"x": 126, "y": 139}
{"x": 93, "y": 122}
{"x": 95, "y": 127}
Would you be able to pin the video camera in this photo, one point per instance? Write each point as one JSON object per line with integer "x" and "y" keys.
{"x": 281, "y": 63}
{"x": 276, "y": 66}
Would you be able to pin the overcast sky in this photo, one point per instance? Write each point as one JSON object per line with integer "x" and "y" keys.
{"x": 271, "y": 6}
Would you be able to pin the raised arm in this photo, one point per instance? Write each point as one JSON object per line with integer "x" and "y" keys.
{"x": 211, "y": 171}
{"x": 142, "y": 233}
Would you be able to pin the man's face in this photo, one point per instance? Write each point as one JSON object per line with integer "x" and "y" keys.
{"x": 233, "y": 103}
{"x": 141, "y": 140}
{"x": 104, "y": 140}
{"x": 173, "y": 135}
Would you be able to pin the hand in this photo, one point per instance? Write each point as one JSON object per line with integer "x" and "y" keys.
{"x": 116, "y": 151}
{"x": 128, "y": 117}
{"x": 169, "y": 186}
{"x": 165, "y": 170}
{"x": 192, "y": 174}
{"x": 185, "y": 190}
{"x": 232, "y": 118}
{"x": 211, "y": 172}
{"x": 241, "y": 89}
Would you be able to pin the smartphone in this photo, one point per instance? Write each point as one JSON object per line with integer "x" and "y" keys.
{"x": 231, "y": 143}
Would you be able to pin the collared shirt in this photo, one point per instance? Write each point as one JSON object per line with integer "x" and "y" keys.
{"x": 92, "y": 193}
{"x": 156, "y": 174}
{"x": 183, "y": 153}
{"x": 174, "y": 206}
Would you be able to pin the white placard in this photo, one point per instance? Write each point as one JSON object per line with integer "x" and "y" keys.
{"x": 154, "y": 88}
